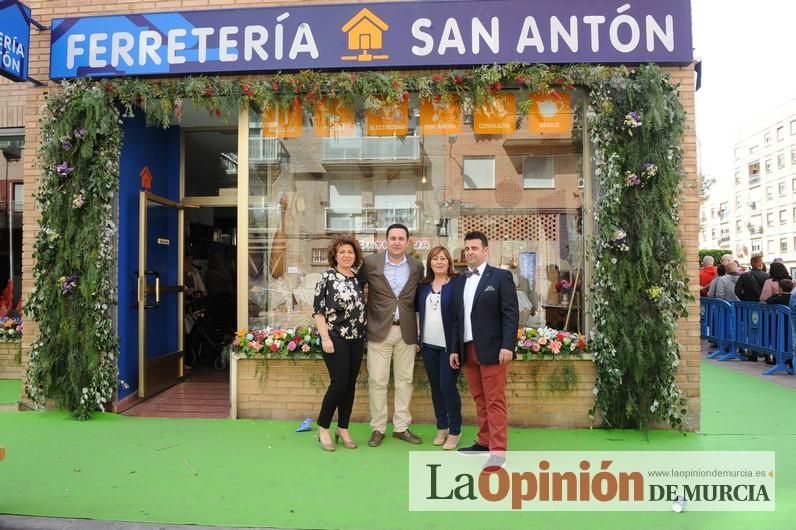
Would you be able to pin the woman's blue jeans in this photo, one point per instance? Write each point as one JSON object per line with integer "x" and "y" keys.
{"x": 444, "y": 393}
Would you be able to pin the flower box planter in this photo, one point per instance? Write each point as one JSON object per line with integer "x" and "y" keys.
{"x": 10, "y": 363}
{"x": 294, "y": 388}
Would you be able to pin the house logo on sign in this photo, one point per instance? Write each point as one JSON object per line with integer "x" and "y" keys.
{"x": 365, "y": 34}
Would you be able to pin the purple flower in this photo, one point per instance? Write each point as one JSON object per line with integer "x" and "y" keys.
{"x": 291, "y": 345}
{"x": 80, "y": 132}
{"x": 619, "y": 240}
{"x": 63, "y": 169}
{"x": 68, "y": 283}
{"x": 632, "y": 121}
{"x": 649, "y": 169}
{"x": 66, "y": 145}
{"x": 631, "y": 179}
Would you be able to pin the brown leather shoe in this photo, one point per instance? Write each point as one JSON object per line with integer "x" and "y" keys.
{"x": 407, "y": 436}
{"x": 375, "y": 439}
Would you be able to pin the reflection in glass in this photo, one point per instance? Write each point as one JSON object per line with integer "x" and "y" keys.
{"x": 523, "y": 190}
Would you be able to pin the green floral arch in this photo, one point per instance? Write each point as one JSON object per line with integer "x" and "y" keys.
{"x": 640, "y": 286}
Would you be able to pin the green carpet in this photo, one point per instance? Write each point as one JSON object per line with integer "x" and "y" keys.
{"x": 10, "y": 390}
{"x": 261, "y": 473}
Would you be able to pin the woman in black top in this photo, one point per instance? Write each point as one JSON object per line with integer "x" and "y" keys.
{"x": 339, "y": 312}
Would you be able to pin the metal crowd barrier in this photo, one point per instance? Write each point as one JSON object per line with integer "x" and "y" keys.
{"x": 762, "y": 328}
{"x": 717, "y": 324}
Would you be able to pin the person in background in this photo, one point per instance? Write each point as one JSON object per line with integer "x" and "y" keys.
{"x": 706, "y": 275}
{"x": 435, "y": 308}
{"x": 783, "y": 298}
{"x": 194, "y": 285}
{"x": 721, "y": 270}
{"x": 777, "y": 272}
{"x": 725, "y": 285}
{"x": 339, "y": 313}
{"x": 750, "y": 283}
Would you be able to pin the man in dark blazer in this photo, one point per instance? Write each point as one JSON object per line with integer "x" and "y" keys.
{"x": 485, "y": 324}
{"x": 392, "y": 279}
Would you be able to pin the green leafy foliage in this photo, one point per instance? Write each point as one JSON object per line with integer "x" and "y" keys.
{"x": 73, "y": 357}
{"x": 717, "y": 253}
{"x": 640, "y": 283}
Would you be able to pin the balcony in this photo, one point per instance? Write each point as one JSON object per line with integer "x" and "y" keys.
{"x": 264, "y": 150}
{"x": 371, "y": 148}
{"x": 724, "y": 239}
{"x": 369, "y": 219}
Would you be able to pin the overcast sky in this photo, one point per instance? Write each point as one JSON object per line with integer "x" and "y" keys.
{"x": 748, "y": 52}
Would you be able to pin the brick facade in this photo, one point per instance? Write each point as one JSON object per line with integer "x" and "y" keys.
{"x": 688, "y": 376}
{"x": 10, "y": 365}
{"x": 286, "y": 389}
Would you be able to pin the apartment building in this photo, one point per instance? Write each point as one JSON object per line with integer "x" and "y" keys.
{"x": 755, "y": 212}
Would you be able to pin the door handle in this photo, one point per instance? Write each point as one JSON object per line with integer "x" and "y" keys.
{"x": 143, "y": 289}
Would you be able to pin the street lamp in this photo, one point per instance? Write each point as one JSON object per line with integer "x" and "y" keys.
{"x": 11, "y": 154}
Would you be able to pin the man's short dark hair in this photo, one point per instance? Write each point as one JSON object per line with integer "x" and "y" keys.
{"x": 475, "y": 234}
{"x": 786, "y": 285}
{"x": 399, "y": 226}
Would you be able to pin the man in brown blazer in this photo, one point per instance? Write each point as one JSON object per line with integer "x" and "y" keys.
{"x": 392, "y": 279}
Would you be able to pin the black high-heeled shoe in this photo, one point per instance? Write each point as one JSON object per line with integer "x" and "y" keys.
{"x": 348, "y": 444}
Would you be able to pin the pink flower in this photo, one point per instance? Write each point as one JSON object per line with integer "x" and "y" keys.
{"x": 305, "y": 348}
{"x": 291, "y": 346}
{"x": 535, "y": 347}
{"x": 527, "y": 343}
{"x": 555, "y": 346}
{"x": 542, "y": 341}
{"x": 253, "y": 345}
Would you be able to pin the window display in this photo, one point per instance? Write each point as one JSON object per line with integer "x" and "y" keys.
{"x": 523, "y": 189}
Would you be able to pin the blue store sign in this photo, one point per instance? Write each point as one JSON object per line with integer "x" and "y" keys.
{"x": 388, "y": 35}
{"x": 14, "y": 40}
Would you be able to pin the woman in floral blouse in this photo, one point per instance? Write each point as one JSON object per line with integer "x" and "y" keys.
{"x": 339, "y": 312}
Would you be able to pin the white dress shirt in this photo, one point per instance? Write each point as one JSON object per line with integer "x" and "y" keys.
{"x": 397, "y": 275}
{"x": 470, "y": 285}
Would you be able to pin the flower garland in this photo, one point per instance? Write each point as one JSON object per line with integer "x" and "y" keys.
{"x": 73, "y": 357}
{"x": 636, "y": 126}
{"x": 298, "y": 342}
{"x": 640, "y": 285}
{"x": 11, "y": 328}
{"x": 544, "y": 341}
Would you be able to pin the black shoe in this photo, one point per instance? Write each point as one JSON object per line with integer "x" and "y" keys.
{"x": 475, "y": 449}
{"x": 494, "y": 464}
{"x": 770, "y": 360}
